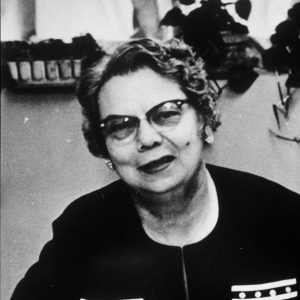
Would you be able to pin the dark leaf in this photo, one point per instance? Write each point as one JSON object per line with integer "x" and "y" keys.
{"x": 293, "y": 80}
{"x": 187, "y": 2}
{"x": 294, "y": 14}
{"x": 243, "y": 8}
{"x": 237, "y": 28}
{"x": 286, "y": 33}
{"x": 173, "y": 17}
{"x": 276, "y": 58}
{"x": 212, "y": 6}
{"x": 201, "y": 32}
{"x": 240, "y": 78}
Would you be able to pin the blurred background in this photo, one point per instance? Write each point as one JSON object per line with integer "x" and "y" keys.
{"x": 113, "y": 20}
{"x": 45, "y": 164}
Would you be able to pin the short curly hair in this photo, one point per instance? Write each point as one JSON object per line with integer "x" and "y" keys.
{"x": 173, "y": 60}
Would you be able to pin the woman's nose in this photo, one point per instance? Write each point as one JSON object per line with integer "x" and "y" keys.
{"x": 147, "y": 136}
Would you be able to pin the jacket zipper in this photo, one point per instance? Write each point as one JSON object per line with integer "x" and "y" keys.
{"x": 185, "y": 282}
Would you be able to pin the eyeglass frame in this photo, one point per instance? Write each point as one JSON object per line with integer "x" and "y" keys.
{"x": 147, "y": 116}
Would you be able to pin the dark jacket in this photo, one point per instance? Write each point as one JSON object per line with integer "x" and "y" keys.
{"x": 100, "y": 251}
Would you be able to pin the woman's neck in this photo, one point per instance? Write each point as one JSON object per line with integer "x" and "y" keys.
{"x": 183, "y": 216}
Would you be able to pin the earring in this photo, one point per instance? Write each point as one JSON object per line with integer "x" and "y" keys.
{"x": 208, "y": 135}
{"x": 109, "y": 165}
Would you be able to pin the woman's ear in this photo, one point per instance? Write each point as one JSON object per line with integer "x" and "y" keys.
{"x": 208, "y": 134}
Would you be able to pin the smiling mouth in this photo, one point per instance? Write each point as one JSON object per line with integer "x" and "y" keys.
{"x": 157, "y": 165}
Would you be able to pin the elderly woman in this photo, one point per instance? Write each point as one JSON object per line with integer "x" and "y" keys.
{"x": 171, "y": 227}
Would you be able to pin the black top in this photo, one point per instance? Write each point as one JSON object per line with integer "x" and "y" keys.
{"x": 100, "y": 251}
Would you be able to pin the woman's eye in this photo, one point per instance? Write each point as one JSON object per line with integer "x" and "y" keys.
{"x": 168, "y": 114}
{"x": 167, "y": 117}
{"x": 112, "y": 126}
{"x": 121, "y": 129}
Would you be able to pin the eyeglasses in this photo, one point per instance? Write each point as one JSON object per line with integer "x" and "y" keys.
{"x": 162, "y": 117}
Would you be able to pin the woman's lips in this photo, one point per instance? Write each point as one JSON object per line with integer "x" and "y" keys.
{"x": 157, "y": 165}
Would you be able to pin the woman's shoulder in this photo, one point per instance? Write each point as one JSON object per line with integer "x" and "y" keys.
{"x": 251, "y": 201}
{"x": 100, "y": 197}
{"x": 245, "y": 184}
{"x": 94, "y": 210}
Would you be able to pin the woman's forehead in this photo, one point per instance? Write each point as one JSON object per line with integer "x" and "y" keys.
{"x": 136, "y": 92}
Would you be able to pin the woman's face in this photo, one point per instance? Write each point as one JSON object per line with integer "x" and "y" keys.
{"x": 151, "y": 160}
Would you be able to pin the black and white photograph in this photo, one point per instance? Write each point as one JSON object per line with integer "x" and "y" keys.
{"x": 150, "y": 150}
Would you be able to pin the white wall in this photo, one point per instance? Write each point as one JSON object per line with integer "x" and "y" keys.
{"x": 17, "y": 19}
{"x": 104, "y": 19}
{"x": 44, "y": 166}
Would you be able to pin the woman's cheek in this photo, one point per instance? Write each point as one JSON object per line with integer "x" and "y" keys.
{"x": 119, "y": 156}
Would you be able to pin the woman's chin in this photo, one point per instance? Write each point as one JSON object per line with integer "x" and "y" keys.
{"x": 160, "y": 186}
